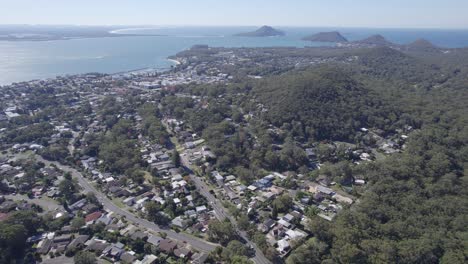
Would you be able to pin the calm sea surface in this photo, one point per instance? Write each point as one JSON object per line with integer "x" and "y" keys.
{"x": 23, "y": 61}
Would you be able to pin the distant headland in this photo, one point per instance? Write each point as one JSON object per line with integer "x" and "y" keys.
{"x": 264, "y": 31}
{"x": 332, "y": 36}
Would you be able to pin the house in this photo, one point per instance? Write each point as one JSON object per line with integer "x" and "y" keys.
{"x": 201, "y": 209}
{"x": 114, "y": 251}
{"x": 252, "y": 188}
{"x": 230, "y": 178}
{"x": 78, "y": 205}
{"x": 78, "y": 241}
{"x": 199, "y": 258}
{"x": 321, "y": 189}
{"x": 296, "y": 234}
{"x": 283, "y": 246}
{"x": 139, "y": 204}
{"x": 62, "y": 239}
{"x": 359, "y": 182}
{"x": 288, "y": 218}
{"x": 342, "y": 199}
{"x": 97, "y": 246}
{"x": 61, "y": 260}
{"x": 167, "y": 246}
{"x": 154, "y": 240}
{"x": 269, "y": 196}
{"x": 128, "y": 257}
{"x": 148, "y": 259}
{"x": 182, "y": 252}
{"x": 218, "y": 178}
{"x": 90, "y": 208}
{"x": 179, "y": 222}
{"x": 284, "y": 223}
{"x": 190, "y": 213}
{"x": 138, "y": 235}
{"x": 267, "y": 225}
{"x": 91, "y": 218}
{"x": 44, "y": 246}
{"x": 129, "y": 201}
{"x": 105, "y": 219}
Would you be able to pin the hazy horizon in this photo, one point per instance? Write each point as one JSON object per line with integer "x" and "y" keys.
{"x": 155, "y": 26}
{"x": 399, "y": 14}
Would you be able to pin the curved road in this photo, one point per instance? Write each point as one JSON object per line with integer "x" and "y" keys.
{"x": 194, "y": 242}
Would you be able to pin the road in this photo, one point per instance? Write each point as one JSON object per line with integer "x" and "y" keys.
{"x": 221, "y": 212}
{"x": 194, "y": 242}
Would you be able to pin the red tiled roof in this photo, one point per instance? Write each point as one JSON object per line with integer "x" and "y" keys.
{"x": 93, "y": 217}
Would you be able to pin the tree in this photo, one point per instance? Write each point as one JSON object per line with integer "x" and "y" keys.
{"x": 176, "y": 158}
{"x": 283, "y": 203}
{"x": 28, "y": 219}
{"x": 221, "y": 232}
{"x": 12, "y": 241}
{"x": 234, "y": 248}
{"x": 77, "y": 223}
{"x": 243, "y": 222}
{"x": 84, "y": 257}
{"x": 67, "y": 188}
{"x": 240, "y": 260}
{"x": 310, "y": 252}
{"x": 91, "y": 198}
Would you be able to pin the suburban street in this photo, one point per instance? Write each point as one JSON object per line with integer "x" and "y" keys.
{"x": 194, "y": 242}
{"x": 221, "y": 212}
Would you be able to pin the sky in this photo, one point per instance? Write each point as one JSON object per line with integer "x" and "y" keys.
{"x": 314, "y": 13}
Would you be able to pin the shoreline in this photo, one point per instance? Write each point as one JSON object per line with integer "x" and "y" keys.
{"x": 109, "y": 35}
{"x": 162, "y": 69}
{"x": 174, "y": 61}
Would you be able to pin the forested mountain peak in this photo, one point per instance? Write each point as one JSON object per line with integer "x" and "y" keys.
{"x": 377, "y": 40}
{"x": 327, "y": 101}
{"x": 333, "y": 36}
{"x": 422, "y": 45}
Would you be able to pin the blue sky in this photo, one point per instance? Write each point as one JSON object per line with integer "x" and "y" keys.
{"x": 318, "y": 13}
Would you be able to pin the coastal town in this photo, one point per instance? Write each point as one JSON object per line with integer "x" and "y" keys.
{"x": 112, "y": 167}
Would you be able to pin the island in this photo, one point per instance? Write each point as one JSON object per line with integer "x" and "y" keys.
{"x": 333, "y": 36}
{"x": 376, "y": 40}
{"x": 264, "y": 31}
{"x": 421, "y": 45}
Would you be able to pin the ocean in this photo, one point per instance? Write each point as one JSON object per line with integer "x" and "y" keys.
{"x": 29, "y": 60}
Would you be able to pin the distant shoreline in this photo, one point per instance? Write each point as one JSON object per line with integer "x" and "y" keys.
{"x": 57, "y": 38}
{"x": 161, "y": 69}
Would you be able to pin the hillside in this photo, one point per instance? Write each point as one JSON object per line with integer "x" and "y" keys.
{"x": 327, "y": 101}
{"x": 375, "y": 40}
{"x": 421, "y": 45}
{"x": 394, "y": 65}
{"x": 333, "y": 36}
{"x": 265, "y": 31}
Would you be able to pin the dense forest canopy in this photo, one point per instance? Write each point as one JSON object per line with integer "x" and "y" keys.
{"x": 328, "y": 103}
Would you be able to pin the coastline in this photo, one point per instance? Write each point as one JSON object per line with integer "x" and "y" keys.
{"x": 57, "y": 38}
{"x": 175, "y": 62}
{"x": 133, "y": 71}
